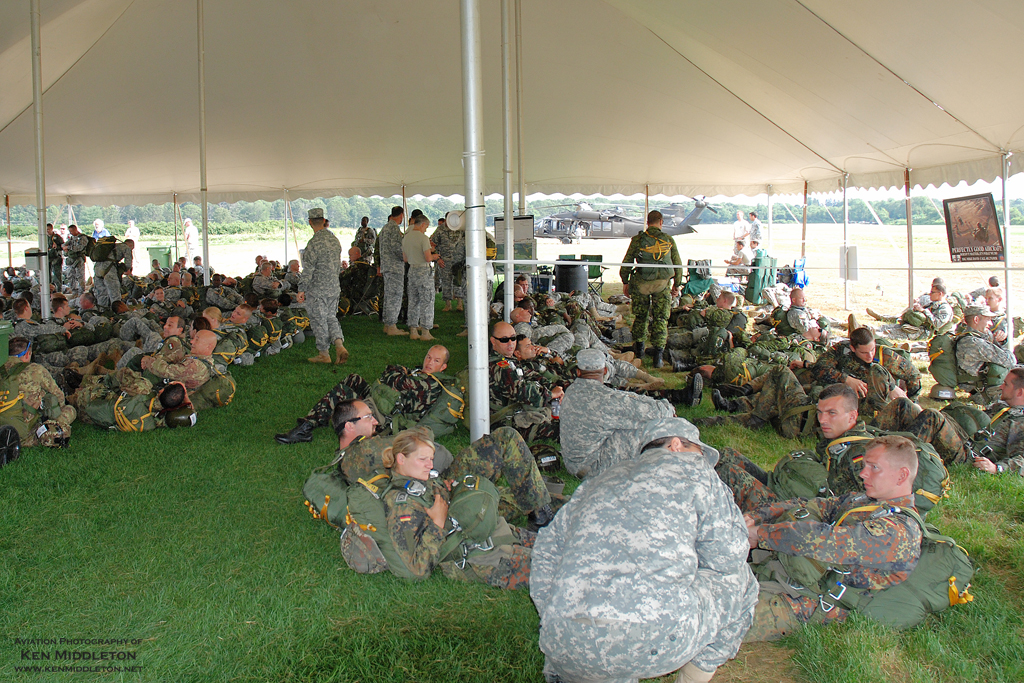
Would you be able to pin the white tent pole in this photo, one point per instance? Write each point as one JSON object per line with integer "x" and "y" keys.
{"x": 207, "y": 266}
{"x": 10, "y": 252}
{"x": 175, "y": 214}
{"x": 910, "y": 239}
{"x": 286, "y": 230}
{"x": 506, "y": 122}
{"x": 803, "y": 232}
{"x": 405, "y": 209}
{"x": 519, "y": 106}
{"x": 37, "y": 107}
{"x": 769, "y": 219}
{"x": 1006, "y": 255}
{"x": 647, "y": 202}
{"x": 846, "y": 243}
{"x": 473, "y": 164}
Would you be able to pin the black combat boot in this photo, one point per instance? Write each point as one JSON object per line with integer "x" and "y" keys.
{"x": 540, "y": 517}
{"x": 722, "y": 403}
{"x": 638, "y": 350}
{"x": 733, "y": 391}
{"x": 680, "y": 366}
{"x": 302, "y": 433}
{"x": 694, "y": 391}
{"x": 659, "y": 352}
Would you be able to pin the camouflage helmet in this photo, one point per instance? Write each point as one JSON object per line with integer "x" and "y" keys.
{"x": 55, "y": 436}
{"x": 181, "y": 417}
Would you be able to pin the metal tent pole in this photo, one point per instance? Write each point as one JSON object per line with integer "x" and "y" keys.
{"x": 910, "y": 239}
{"x": 10, "y": 253}
{"x": 37, "y": 107}
{"x": 175, "y": 214}
{"x": 405, "y": 209}
{"x": 803, "y": 233}
{"x": 473, "y": 163}
{"x": 846, "y": 243}
{"x": 1006, "y": 255}
{"x": 506, "y": 122}
{"x": 286, "y": 231}
{"x": 647, "y": 202}
{"x": 769, "y": 219}
{"x": 207, "y": 266}
{"x": 519, "y": 106}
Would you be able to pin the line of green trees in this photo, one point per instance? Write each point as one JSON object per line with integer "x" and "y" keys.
{"x": 262, "y": 217}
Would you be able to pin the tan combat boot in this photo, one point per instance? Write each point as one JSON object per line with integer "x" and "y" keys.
{"x": 322, "y": 357}
{"x": 425, "y": 335}
{"x": 414, "y": 333}
{"x": 339, "y": 347}
{"x": 393, "y": 331}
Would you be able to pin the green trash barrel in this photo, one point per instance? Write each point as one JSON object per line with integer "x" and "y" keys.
{"x": 162, "y": 255}
{"x": 6, "y": 330}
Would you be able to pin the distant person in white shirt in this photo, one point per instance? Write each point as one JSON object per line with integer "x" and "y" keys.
{"x": 739, "y": 262}
{"x": 741, "y": 228}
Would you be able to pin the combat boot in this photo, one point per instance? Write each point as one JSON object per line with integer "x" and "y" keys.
{"x": 322, "y": 357}
{"x": 691, "y": 674}
{"x": 722, "y": 403}
{"x": 694, "y": 391}
{"x": 414, "y": 333}
{"x": 852, "y": 323}
{"x": 638, "y": 349}
{"x": 680, "y": 366}
{"x": 393, "y": 331}
{"x": 659, "y": 353}
{"x": 303, "y": 433}
{"x": 425, "y": 335}
{"x": 540, "y": 517}
{"x": 339, "y": 348}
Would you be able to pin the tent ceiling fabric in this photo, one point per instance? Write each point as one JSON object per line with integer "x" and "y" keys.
{"x": 364, "y": 97}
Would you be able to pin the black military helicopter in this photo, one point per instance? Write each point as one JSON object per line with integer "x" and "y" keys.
{"x": 587, "y": 223}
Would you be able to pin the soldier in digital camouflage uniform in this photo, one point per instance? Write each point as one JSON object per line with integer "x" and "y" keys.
{"x": 107, "y": 276}
{"x": 558, "y": 338}
{"x": 222, "y": 296}
{"x": 649, "y": 288}
{"x": 644, "y": 571}
{"x": 319, "y": 289}
{"x": 75, "y": 249}
{"x": 526, "y": 400}
{"x": 36, "y": 407}
{"x": 365, "y": 237}
{"x": 601, "y": 425}
{"x": 445, "y": 242}
{"x": 806, "y": 322}
{"x": 878, "y": 546}
{"x": 1007, "y": 427}
{"x": 978, "y": 356}
{"x": 391, "y": 266}
{"x": 265, "y": 285}
{"x": 839, "y": 451}
{"x": 193, "y": 370}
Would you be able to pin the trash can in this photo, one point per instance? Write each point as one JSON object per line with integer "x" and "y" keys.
{"x": 35, "y": 259}
{"x": 570, "y": 278}
{"x": 6, "y": 330}
{"x": 161, "y": 255}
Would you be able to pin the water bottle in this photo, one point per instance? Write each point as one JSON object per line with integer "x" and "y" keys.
{"x": 554, "y": 408}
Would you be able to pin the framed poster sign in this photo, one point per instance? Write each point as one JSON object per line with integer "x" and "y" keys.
{"x": 972, "y": 226}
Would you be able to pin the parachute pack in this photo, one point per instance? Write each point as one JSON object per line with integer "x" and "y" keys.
{"x": 102, "y": 249}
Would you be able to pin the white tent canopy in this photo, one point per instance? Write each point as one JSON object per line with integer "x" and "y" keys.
{"x": 364, "y": 97}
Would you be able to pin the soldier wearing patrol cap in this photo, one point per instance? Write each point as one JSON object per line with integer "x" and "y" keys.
{"x": 978, "y": 356}
{"x": 644, "y": 571}
{"x": 319, "y": 289}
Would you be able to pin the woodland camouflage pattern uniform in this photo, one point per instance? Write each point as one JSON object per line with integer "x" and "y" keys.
{"x": 651, "y": 311}
{"x": 365, "y": 238}
{"x": 37, "y": 388}
{"x": 602, "y": 426}
{"x": 839, "y": 363}
{"x": 749, "y": 483}
{"x": 77, "y": 245}
{"x": 321, "y": 263}
{"x": 388, "y": 258}
{"x": 932, "y": 426}
{"x": 509, "y": 386}
{"x": 643, "y": 571}
{"x": 354, "y": 279}
{"x": 417, "y": 540}
{"x": 878, "y": 550}
{"x": 777, "y": 394}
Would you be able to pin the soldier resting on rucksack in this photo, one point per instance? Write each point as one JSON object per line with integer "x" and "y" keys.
{"x": 867, "y": 541}
{"x": 1003, "y": 450}
{"x": 31, "y": 402}
{"x": 411, "y": 395}
{"x": 981, "y": 365}
{"x": 103, "y": 401}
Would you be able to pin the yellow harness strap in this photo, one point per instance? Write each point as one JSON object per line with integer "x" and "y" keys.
{"x": 863, "y": 508}
{"x": 841, "y": 440}
{"x": 456, "y": 414}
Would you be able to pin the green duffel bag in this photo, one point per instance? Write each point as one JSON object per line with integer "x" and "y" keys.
{"x": 49, "y": 343}
{"x": 325, "y": 495}
{"x": 799, "y": 475}
{"x": 81, "y": 336}
{"x": 103, "y": 330}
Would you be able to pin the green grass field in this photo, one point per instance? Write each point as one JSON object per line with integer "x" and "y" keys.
{"x": 197, "y": 544}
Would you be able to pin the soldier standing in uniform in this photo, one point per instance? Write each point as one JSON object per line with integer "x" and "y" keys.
{"x": 390, "y": 263}
{"x": 644, "y": 570}
{"x": 107, "y": 276}
{"x": 445, "y": 241}
{"x": 76, "y": 246}
{"x": 865, "y": 536}
{"x": 649, "y": 287}
{"x": 365, "y": 236}
{"x": 319, "y": 289}
{"x": 419, "y": 253}
{"x": 54, "y": 256}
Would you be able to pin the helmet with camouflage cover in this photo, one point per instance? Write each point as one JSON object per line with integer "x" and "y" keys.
{"x": 55, "y": 436}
